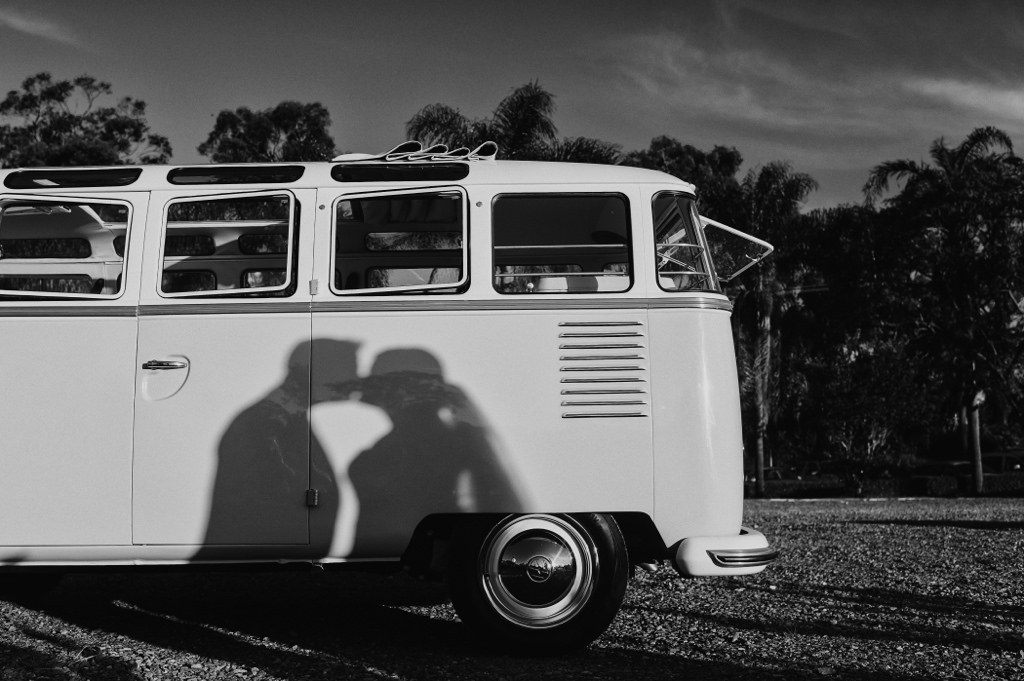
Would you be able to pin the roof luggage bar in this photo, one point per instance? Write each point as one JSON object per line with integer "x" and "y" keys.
{"x": 413, "y": 152}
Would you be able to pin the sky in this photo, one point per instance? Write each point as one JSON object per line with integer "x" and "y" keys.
{"x": 834, "y": 88}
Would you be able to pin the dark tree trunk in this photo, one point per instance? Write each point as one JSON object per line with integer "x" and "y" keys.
{"x": 965, "y": 433}
{"x": 975, "y": 422}
{"x": 762, "y": 380}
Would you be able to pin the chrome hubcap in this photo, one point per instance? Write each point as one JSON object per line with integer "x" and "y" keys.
{"x": 538, "y": 570}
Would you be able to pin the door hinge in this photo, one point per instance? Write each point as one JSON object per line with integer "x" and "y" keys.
{"x": 314, "y": 286}
{"x": 312, "y": 497}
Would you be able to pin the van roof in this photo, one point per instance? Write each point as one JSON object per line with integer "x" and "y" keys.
{"x": 319, "y": 174}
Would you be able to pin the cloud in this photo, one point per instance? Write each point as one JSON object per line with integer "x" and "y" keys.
{"x": 36, "y": 27}
{"x": 1006, "y": 104}
{"x": 776, "y": 102}
{"x": 835, "y": 90}
{"x": 748, "y": 87}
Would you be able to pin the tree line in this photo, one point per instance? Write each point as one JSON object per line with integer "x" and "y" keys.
{"x": 878, "y": 332}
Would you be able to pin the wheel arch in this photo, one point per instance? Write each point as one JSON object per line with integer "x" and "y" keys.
{"x": 427, "y": 551}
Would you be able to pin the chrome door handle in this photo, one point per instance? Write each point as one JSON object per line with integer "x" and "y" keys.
{"x": 163, "y": 365}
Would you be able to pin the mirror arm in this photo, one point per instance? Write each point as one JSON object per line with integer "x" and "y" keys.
{"x": 768, "y": 248}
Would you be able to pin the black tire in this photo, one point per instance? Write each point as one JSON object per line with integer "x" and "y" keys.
{"x": 538, "y": 583}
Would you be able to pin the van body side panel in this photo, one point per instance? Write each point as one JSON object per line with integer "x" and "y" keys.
{"x": 451, "y": 412}
{"x": 698, "y": 442}
{"x": 66, "y": 391}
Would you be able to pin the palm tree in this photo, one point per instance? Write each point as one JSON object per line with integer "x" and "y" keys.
{"x": 770, "y": 199}
{"x": 966, "y": 207}
{"x": 521, "y": 126}
{"x": 584, "y": 150}
{"x": 441, "y": 124}
{"x": 952, "y": 167}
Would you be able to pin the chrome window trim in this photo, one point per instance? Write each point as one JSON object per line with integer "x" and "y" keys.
{"x": 264, "y": 306}
{"x": 274, "y": 307}
{"x": 69, "y": 311}
{"x": 524, "y": 303}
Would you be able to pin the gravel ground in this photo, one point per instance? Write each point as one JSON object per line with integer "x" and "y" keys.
{"x": 915, "y": 589}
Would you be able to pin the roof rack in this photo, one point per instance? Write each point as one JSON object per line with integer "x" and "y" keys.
{"x": 413, "y": 152}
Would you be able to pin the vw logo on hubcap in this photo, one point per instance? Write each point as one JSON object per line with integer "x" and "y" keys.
{"x": 538, "y": 569}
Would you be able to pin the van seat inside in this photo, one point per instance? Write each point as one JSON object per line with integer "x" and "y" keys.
{"x": 583, "y": 284}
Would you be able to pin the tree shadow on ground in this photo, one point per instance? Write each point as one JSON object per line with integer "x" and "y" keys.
{"x": 882, "y": 615}
{"x": 343, "y": 625}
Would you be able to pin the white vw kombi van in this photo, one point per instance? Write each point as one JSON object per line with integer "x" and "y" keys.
{"x": 517, "y": 375}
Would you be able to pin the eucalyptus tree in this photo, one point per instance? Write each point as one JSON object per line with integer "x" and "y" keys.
{"x": 290, "y": 131}
{"x": 64, "y": 123}
{"x": 965, "y": 209}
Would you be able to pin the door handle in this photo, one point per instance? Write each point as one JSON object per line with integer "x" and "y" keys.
{"x": 163, "y": 365}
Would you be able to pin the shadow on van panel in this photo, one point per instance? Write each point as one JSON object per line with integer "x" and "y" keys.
{"x": 259, "y": 494}
{"x": 439, "y": 456}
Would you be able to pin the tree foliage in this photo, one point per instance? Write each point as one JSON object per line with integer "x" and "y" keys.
{"x": 521, "y": 126}
{"x": 769, "y": 199}
{"x": 290, "y": 131}
{"x": 61, "y": 123}
{"x": 584, "y": 150}
{"x": 892, "y": 318}
{"x": 964, "y": 214}
{"x": 874, "y": 329}
{"x": 714, "y": 173}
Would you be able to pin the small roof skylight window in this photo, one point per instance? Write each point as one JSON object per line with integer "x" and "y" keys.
{"x": 214, "y": 174}
{"x": 54, "y": 178}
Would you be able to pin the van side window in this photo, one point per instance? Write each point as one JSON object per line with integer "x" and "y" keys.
{"x": 681, "y": 259}
{"x": 237, "y": 245}
{"x": 561, "y": 243}
{"x": 413, "y": 242}
{"x": 55, "y": 248}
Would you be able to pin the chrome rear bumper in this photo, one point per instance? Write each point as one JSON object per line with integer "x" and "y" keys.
{"x": 744, "y": 554}
{"x": 738, "y": 558}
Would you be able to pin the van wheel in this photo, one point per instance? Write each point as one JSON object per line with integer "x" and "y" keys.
{"x": 538, "y": 583}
